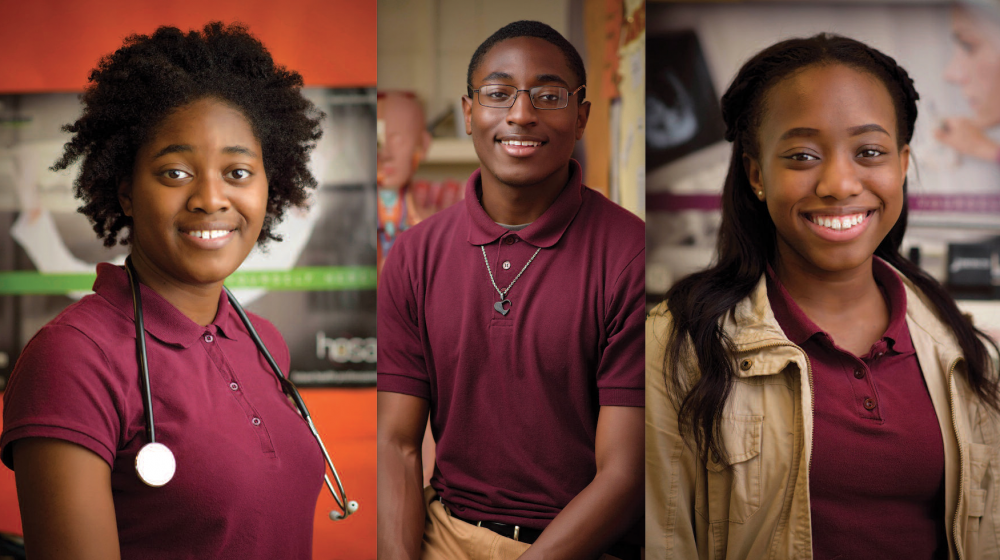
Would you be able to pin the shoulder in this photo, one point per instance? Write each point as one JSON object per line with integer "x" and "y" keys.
{"x": 612, "y": 220}
{"x": 434, "y": 227}
{"x": 269, "y": 334}
{"x": 93, "y": 319}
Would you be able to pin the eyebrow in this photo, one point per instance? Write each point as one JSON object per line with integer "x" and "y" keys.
{"x": 538, "y": 78}
{"x": 803, "y": 132}
{"x": 179, "y": 148}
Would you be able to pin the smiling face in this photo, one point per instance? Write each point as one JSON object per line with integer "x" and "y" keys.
{"x": 975, "y": 64}
{"x": 523, "y": 146}
{"x": 829, "y": 167}
{"x": 197, "y": 196}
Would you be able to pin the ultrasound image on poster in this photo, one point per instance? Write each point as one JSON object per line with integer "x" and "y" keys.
{"x": 682, "y": 109}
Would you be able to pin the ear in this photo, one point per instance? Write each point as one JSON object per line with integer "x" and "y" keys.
{"x": 125, "y": 196}
{"x": 467, "y": 112}
{"x": 582, "y": 115}
{"x": 752, "y": 168}
{"x": 904, "y": 159}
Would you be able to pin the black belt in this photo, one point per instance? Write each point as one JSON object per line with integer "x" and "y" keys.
{"x": 527, "y": 535}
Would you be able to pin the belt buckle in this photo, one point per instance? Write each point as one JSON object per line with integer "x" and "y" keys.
{"x": 517, "y": 530}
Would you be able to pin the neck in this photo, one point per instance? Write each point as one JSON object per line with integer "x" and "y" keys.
{"x": 521, "y": 204}
{"x": 823, "y": 294}
{"x": 200, "y": 303}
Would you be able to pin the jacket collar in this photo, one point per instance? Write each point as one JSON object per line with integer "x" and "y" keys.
{"x": 544, "y": 232}
{"x": 753, "y": 327}
{"x": 161, "y": 319}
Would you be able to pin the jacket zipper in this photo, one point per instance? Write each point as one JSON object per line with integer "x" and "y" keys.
{"x": 961, "y": 460}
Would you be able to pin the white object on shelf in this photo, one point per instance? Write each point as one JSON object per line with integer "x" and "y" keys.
{"x": 451, "y": 151}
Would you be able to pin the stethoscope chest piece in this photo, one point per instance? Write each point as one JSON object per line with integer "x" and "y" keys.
{"x": 155, "y": 464}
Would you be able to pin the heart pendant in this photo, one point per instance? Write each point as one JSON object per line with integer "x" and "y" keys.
{"x": 499, "y": 307}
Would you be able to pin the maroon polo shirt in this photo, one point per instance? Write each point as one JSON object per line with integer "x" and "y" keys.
{"x": 514, "y": 398}
{"x": 876, "y": 480}
{"x": 248, "y": 470}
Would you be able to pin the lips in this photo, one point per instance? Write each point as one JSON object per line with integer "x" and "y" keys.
{"x": 520, "y": 146}
{"x": 845, "y": 225}
{"x": 208, "y": 236}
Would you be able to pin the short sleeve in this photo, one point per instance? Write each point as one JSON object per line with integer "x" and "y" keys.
{"x": 62, "y": 387}
{"x": 400, "y": 364}
{"x": 620, "y": 376}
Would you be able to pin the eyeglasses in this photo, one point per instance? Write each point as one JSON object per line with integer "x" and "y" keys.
{"x": 542, "y": 97}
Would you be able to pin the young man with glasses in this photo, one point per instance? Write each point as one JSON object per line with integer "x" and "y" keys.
{"x": 516, "y": 320}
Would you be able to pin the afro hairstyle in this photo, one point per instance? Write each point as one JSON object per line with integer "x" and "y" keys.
{"x": 133, "y": 89}
{"x": 528, "y": 28}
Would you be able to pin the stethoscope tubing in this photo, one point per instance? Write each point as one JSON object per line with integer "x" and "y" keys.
{"x": 140, "y": 342}
{"x": 288, "y": 388}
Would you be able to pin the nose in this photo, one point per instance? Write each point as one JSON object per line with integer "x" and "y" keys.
{"x": 522, "y": 113}
{"x": 208, "y": 195}
{"x": 839, "y": 179}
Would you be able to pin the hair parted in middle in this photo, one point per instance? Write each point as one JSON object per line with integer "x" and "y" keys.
{"x": 747, "y": 241}
{"x": 133, "y": 89}
{"x": 528, "y": 28}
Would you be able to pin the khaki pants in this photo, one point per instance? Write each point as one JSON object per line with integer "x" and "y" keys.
{"x": 447, "y": 538}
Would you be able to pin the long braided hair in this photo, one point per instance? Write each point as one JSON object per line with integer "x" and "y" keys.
{"x": 747, "y": 242}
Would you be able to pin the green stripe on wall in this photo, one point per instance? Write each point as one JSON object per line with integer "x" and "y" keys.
{"x": 302, "y": 279}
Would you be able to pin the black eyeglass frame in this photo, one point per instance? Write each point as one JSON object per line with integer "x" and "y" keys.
{"x": 530, "y": 98}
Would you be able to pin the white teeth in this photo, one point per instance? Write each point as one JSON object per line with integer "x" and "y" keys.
{"x": 838, "y": 223}
{"x": 209, "y": 234}
{"x": 521, "y": 143}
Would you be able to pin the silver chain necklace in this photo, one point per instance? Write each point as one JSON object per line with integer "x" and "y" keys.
{"x": 503, "y": 294}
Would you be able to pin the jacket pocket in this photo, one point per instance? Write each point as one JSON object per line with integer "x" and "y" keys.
{"x": 733, "y": 494}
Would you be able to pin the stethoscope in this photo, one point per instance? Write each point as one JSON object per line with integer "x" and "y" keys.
{"x": 155, "y": 463}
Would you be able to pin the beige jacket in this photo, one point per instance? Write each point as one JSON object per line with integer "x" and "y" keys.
{"x": 760, "y": 508}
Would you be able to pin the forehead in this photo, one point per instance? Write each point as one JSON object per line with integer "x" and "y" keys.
{"x": 525, "y": 58}
{"x": 207, "y": 121}
{"x": 830, "y": 97}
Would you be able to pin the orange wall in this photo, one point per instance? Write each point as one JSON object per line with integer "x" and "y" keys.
{"x": 345, "y": 419}
{"x": 51, "y": 45}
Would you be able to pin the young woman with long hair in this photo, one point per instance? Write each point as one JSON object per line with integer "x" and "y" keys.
{"x": 813, "y": 394}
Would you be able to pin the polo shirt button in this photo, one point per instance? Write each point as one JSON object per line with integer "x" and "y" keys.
{"x": 869, "y": 403}
{"x": 506, "y": 265}
{"x": 234, "y": 386}
{"x": 256, "y": 421}
{"x": 209, "y": 338}
{"x": 510, "y": 240}
{"x": 746, "y": 364}
{"x": 859, "y": 373}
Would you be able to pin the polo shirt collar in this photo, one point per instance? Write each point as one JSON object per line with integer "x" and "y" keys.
{"x": 543, "y": 232}
{"x": 161, "y": 319}
{"x": 799, "y": 328}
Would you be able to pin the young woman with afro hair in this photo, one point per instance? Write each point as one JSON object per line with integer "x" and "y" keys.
{"x": 193, "y": 146}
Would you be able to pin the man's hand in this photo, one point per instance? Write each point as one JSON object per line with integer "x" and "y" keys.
{"x": 968, "y": 138}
